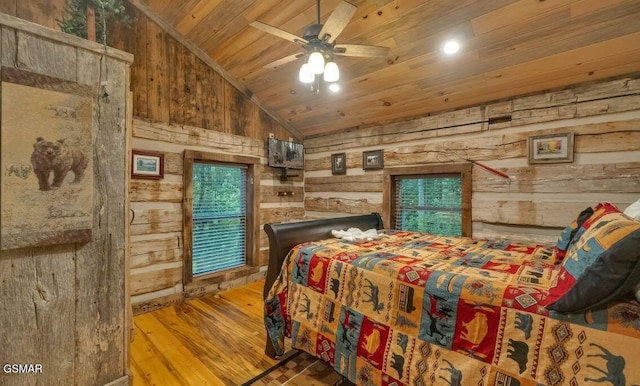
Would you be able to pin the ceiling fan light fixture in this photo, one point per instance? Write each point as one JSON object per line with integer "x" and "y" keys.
{"x": 331, "y": 72}
{"x": 305, "y": 75}
{"x": 316, "y": 62}
{"x": 334, "y": 87}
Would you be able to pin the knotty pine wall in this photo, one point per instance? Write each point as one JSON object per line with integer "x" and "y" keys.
{"x": 179, "y": 103}
{"x": 537, "y": 200}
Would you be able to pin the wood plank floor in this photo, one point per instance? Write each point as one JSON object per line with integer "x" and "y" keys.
{"x": 213, "y": 340}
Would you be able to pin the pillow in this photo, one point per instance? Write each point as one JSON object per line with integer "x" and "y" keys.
{"x": 603, "y": 265}
{"x": 600, "y": 210}
{"x": 564, "y": 241}
{"x": 633, "y": 210}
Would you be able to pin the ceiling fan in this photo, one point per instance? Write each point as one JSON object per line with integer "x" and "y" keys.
{"x": 319, "y": 42}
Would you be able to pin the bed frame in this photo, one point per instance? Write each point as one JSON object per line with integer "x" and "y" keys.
{"x": 284, "y": 236}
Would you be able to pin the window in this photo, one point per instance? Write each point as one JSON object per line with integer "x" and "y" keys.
{"x": 219, "y": 217}
{"x": 219, "y": 214}
{"x": 434, "y": 199}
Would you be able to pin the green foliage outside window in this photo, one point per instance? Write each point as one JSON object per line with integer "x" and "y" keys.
{"x": 432, "y": 205}
{"x": 217, "y": 190}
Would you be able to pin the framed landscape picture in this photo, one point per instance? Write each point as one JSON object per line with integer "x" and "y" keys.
{"x": 551, "y": 148}
{"x": 147, "y": 164}
{"x": 373, "y": 159}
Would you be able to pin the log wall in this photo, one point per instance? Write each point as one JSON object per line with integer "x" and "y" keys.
{"x": 181, "y": 103}
{"x": 157, "y": 211}
{"x": 65, "y": 307}
{"x": 537, "y": 200}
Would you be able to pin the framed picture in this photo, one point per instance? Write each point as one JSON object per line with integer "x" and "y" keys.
{"x": 46, "y": 155}
{"x": 147, "y": 164}
{"x": 339, "y": 163}
{"x": 551, "y": 148}
{"x": 373, "y": 159}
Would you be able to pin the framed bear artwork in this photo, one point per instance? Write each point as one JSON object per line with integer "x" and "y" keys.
{"x": 47, "y": 161}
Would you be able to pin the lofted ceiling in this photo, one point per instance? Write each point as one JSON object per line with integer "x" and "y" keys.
{"x": 509, "y": 47}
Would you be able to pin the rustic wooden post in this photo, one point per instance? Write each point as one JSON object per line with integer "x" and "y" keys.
{"x": 91, "y": 22}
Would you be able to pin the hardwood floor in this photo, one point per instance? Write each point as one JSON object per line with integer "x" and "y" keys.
{"x": 213, "y": 340}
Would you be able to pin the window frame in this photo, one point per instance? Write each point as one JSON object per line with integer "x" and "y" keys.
{"x": 464, "y": 170}
{"x": 252, "y": 201}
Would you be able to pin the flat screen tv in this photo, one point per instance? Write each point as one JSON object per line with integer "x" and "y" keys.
{"x": 285, "y": 154}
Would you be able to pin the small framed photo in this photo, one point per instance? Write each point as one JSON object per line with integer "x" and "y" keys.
{"x": 339, "y": 163}
{"x": 373, "y": 159}
{"x": 147, "y": 164}
{"x": 551, "y": 148}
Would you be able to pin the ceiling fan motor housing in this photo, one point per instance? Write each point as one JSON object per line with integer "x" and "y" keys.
{"x": 312, "y": 32}
{"x": 315, "y": 42}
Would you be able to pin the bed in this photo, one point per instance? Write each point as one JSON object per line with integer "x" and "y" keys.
{"x": 410, "y": 308}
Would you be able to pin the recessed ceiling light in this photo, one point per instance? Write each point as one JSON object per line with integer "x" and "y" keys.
{"x": 451, "y": 47}
{"x": 334, "y": 87}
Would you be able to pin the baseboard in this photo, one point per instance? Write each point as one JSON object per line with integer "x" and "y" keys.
{"x": 196, "y": 290}
{"x": 123, "y": 381}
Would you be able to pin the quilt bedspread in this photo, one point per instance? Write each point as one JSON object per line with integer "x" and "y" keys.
{"x": 420, "y": 309}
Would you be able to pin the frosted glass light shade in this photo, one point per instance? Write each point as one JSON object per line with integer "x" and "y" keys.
{"x": 305, "y": 75}
{"x": 331, "y": 72}
{"x": 316, "y": 62}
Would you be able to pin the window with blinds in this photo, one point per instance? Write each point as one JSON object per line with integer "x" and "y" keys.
{"x": 429, "y": 203}
{"x": 219, "y": 217}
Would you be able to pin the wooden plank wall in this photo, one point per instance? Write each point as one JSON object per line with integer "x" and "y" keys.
{"x": 66, "y": 306}
{"x": 180, "y": 103}
{"x": 537, "y": 200}
{"x": 43, "y": 12}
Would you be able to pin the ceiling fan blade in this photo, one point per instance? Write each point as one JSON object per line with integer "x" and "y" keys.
{"x": 361, "y": 50}
{"x": 275, "y": 64}
{"x": 278, "y": 32}
{"x": 337, "y": 21}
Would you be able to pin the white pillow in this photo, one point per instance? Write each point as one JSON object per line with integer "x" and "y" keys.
{"x": 633, "y": 210}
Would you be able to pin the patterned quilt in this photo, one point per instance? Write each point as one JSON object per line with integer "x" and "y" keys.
{"x": 420, "y": 309}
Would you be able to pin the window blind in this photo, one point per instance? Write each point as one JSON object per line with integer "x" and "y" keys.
{"x": 219, "y": 217}
{"x": 430, "y": 204}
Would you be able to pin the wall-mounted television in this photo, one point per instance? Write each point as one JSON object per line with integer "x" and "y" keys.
{"x": 285, "y": 154}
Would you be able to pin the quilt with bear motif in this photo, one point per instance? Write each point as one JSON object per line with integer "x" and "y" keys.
{"x": 419, "y": 309}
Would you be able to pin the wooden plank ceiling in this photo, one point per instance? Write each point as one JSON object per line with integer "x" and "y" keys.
{"x": 510, "y": 47}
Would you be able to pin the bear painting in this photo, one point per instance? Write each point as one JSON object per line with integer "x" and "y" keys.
{"x": 47, "y": 163}
{"x": 59, "y": 158}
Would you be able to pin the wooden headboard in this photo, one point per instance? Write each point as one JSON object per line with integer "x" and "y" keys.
{"x": 284, "y": 236}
